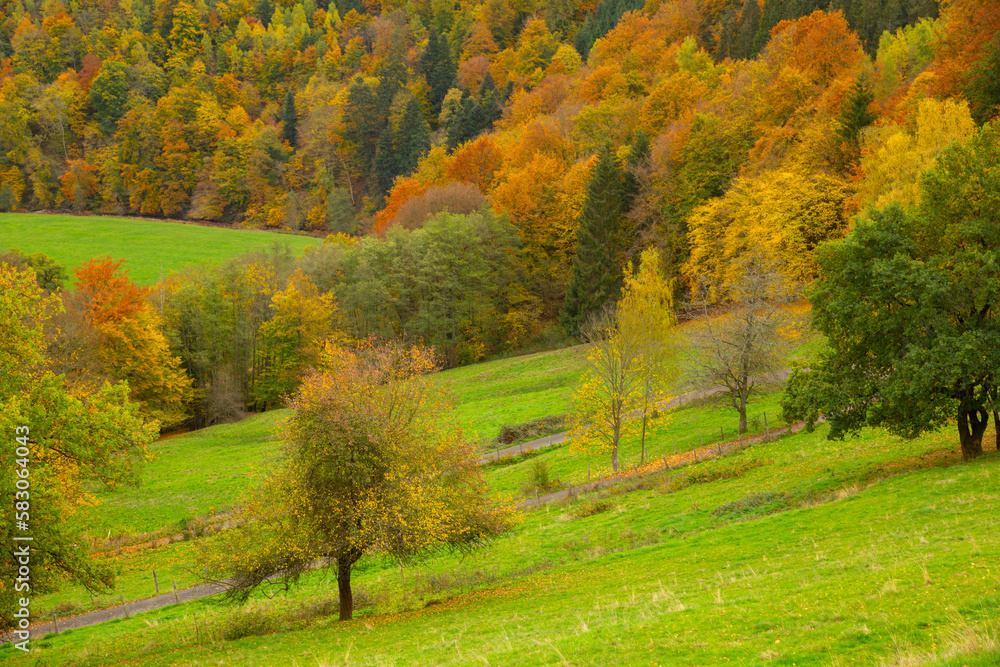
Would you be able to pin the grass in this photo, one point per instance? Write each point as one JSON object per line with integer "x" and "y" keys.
{"x": 191, "y": 475}
{"x": 514, "y": 390}
{"x": 679, "y": 430}
{"x": 883, "y": 552}
{"x": 151, "y": 248}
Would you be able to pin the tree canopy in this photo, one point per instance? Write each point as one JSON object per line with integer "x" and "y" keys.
{"x": 73, "y": 442}
{"x": 373, "y": 466}
{"x": 909, "y": 302}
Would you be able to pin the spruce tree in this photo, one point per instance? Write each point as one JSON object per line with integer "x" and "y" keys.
{"x": 413, "y": 138}
{"x": 439, "y": 69}
{"x": 749, "y": 24}
{"x": 290, "y": 121}
{"x": 856, "y": 115}
{"x": 602, "y": 241}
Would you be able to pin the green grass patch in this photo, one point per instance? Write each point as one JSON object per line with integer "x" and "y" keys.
{"x": 896, "y": 569}
{"x": 191, "y": 475}
{"x": 151, "y": 248}
{"x": 515, "y": 390}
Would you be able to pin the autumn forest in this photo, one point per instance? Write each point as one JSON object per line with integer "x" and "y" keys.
{"x": 485, "y": 171}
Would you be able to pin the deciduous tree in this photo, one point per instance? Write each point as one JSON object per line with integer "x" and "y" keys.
{"x": 909, "y": 304}
{"x": 373, "y": 466}
{"x": 72, "y": 445}
{"x": 737, "y": 346}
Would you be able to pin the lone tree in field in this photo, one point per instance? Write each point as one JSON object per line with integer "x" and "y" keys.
{"x": 748, "y": 338}
{"x": 910, "y": 304}
{"x": 629, "y": 362}
{"x": 647, "y": 309}
{"x": 372, "y": 467}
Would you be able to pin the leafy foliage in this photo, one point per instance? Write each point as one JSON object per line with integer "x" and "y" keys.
{"x": 73, "y": 442}
{"x": 373, "y": 467}
{"x": 908, "y": 303}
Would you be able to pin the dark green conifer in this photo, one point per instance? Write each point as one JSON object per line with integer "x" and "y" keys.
{"x": 290, "y": 121}
{"x": 603, "y": 238}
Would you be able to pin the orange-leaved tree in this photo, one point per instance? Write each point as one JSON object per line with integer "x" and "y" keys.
{"x": 373, "y": 466}
{"x": 132, "y": 346}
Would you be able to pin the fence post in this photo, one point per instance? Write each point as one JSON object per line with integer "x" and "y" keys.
{"x": 152, "y": 541}
{"x": 666, "y": 466}
{"x": 55, "y": 621}
{"x": 722, "y": 434}
{"x": 177, "y": 600}
{"x": 767, "y": 432}
{"x": 156, "y": 583}
{"x": 124, "y": 605}
{"x": 675, "y": 445}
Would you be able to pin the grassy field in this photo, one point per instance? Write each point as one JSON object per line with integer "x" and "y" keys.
{"x": 796, "y": 552}
{"x": 150, "y": 248}
{"x": 801, "y": 551}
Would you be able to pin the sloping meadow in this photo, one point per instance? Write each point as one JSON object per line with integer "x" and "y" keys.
{"x": 800, "y": 551}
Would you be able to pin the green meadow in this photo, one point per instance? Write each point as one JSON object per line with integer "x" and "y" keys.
{"x": 800, "y": 551}
{"x": 151, "y": 248}
{"x": 797, "y": 551}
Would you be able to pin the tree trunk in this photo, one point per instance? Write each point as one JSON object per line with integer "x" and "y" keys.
{"x": 972, "y": 439}
{"x": 743, "y": 409}
{"x": 996, "y": 429}
{"x": 614, "y": 457}
{"x": 344, "y": 586}
{"x": 642, "y": 456}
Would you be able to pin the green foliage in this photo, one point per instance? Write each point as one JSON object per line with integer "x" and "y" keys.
{"x": 856, "y": 113}
{"x": 73, "y": 442}
{"x": 49, "y": 275}
{"x": 373, "y": 466}
{"x": 290, "y": 121}
{"x": 982, "y": 84}
{"x": 598, "y": 24}
{"x": 446, "y": 284}
{"x": 909, "y": 303}
{"x": 604, "y": 237}
{"x": 109, "y": 94}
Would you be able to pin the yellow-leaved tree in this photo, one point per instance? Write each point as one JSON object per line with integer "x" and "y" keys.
{"x": 61, "y": 447}
{"x": 783, "y": 214}
{"x": 373, "y": 465}
{"x": 894, "y": 156}
{"x": 629, "y": 362}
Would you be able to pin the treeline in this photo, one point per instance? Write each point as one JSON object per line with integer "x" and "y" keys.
{"x": 703, "y": 129}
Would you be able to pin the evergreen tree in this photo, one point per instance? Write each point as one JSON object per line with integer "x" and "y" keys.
{"x": 598, "y": 24}
{"x": 747, "y": 36}
{"x": 386, "y": 163}
{"x": 391, "y": 78}
{"x": 413, "y": 138}
{"x": 290, "y": 121}
{"x": 982, "y": 84}
{"x": 439, "y": 68}
{"x": 7, "y": 200}
{"x": 603, "y": 238}
{"x": 363, "y": 126}
{"x": 856, "y": 113}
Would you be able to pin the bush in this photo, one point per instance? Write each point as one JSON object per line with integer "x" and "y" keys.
{"x": 753, "y": 506}
{"x": 536, "y": 428}
{"x": 597, "y": 506}
{"x": 539, "y": 479}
